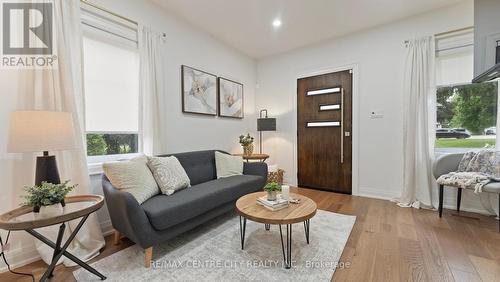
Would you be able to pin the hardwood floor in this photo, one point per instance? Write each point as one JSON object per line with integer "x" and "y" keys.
{"x": 387, "y": 243}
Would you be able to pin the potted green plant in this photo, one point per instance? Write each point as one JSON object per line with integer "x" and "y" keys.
{"x": 247, "y": 144}
{"x": 47, "y": 195}
{"x": 272, "y": 188}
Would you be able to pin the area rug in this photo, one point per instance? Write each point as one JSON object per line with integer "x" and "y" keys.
{"x": 212, "y": 252}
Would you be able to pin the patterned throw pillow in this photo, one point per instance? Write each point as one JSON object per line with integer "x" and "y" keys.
{"x": 486, "y": 161}
{"x": 169, "y": 174}
{"x": 464, "y": 163}
{"x": 133, "y": 177}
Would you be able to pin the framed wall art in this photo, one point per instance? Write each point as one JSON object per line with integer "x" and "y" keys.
{"x": 199, "y": 91}
{"x": 230, "y": 98}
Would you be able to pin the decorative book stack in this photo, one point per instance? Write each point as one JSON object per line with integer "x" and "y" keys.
{"x": 276, "y": 205}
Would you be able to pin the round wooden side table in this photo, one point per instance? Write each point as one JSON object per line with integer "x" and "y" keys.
{"x": 23, "y": 218}
{"x": 248, "y": 208}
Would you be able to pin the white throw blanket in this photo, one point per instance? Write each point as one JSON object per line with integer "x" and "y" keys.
{"x": 474, "y": 171}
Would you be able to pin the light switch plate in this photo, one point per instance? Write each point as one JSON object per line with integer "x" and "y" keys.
{"x": 376, "y": 114}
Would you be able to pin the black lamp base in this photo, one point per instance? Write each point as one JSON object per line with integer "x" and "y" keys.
{"x": 46, "y": 169}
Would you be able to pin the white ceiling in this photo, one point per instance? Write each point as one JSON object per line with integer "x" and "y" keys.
{"x": 247, "y": 24}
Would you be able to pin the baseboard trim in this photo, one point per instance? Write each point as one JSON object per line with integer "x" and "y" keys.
{"x": 106, "y": 227}
{"x": 377, "y": 193}
{"x": 453, "y": 206}
{"x": 449, "y": 203}
{"x": 20, "y": 257}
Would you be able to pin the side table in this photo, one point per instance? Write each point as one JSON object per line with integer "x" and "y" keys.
{"x": 23, "y": 218}
{"x": 258, "y": 157}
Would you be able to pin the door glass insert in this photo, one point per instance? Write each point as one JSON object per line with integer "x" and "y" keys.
{"x": 323, "y": 91}
{"x": 323, "y": 124}
{"x": 329, "y": 107}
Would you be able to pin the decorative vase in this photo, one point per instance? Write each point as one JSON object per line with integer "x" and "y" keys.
{"x": 49, "y": 211}
{"x": 285, "y": 192}
{"x": 248, "y": 149}
{"x": 271, "y": 196}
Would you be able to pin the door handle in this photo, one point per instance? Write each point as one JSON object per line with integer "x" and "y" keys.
{"x": 342, "y": 126}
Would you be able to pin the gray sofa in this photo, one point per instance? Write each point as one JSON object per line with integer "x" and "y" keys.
{"x": 163, "y": 217}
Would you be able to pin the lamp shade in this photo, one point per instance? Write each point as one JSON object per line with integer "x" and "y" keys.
{"x": 266, "y": 124}
{"x": 33, "y": 131}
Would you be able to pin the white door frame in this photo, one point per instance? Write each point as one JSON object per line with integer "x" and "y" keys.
{"x": 355, "y": 118}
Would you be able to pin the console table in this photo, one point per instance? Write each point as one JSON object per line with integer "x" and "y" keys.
{"x": 23, "y": 218}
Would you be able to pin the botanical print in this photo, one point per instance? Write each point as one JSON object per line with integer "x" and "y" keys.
{"x": 199, "y": 92}
{"x": 230, "y": 98}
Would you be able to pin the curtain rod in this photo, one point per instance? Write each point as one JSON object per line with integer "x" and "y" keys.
{"x": 453, "y": 31}
{"x": 447, "y": 32}
{"x": 108, "y": 11}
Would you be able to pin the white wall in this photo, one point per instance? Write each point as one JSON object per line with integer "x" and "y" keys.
{"x": 183, "y": 132}
{"x": 379, "y": 54}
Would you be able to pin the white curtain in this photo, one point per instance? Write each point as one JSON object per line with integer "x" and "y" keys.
{"x": 152, "y": 89}
{"x": 60, "y": 89}
{"x": 419, "y": 124}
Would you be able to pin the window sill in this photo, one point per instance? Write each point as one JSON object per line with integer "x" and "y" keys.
{"x": 95, "y": 168}
{"x": 445, "y": 151}
{"x": 94, "y": 163}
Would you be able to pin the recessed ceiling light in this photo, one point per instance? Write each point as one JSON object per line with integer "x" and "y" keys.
{"x": 277, "y": 23}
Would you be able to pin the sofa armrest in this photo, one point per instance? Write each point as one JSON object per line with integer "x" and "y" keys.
{"x": 255, "y": 168}
{"x": 127, "y": 216}
{"x": 446, "y": 163}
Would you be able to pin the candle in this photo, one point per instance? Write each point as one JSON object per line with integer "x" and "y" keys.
{"x": 285, "y": 192}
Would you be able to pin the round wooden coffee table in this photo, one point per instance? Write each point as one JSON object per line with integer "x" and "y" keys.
{"x": 23, "y": 218}
{"x": 248, "y": 208}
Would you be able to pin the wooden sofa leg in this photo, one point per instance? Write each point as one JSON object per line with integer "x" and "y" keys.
{"x": 148, "y": 257}
{"x": 459, "y": 199}
{"x": 116, "y": 237}
{"x": 441, "y": 188}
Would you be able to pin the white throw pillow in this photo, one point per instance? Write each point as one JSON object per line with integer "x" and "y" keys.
{"x": 227, "y": 165}
{"x": 169, "y": 174}
{"x": 133, "y": 177}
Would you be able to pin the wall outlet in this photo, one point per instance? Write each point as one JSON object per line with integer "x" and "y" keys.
{"x": 376, "y": 114}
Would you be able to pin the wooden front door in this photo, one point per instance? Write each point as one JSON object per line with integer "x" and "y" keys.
{"x": 324, "y": 131}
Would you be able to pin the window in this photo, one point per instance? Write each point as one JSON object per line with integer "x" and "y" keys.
{"x": 111, "y": 83}
{"x": 466, "y": 112}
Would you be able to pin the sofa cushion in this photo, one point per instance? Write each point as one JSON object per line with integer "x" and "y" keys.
{"x": 199, "y": 165}
{"x": 166, "y": 211}
{"x": 492, "y": 187}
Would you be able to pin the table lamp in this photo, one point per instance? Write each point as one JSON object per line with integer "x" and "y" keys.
{"x": 264, "y": 124}
{"x": 41, "y": 131}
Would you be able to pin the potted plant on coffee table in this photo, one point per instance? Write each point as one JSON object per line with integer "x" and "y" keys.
{"x": 47, "y": 198}
{"x": 272, "y": 188}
